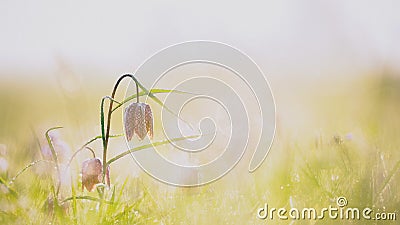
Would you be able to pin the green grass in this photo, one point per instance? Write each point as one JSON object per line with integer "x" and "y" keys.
{"x": 310, "y": 169}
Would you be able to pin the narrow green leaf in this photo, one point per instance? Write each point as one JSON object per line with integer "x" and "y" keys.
{"x": 158, "y": 101}
{"x": 151, "y": 91}
{"x": 115, "y": 158}
{"x": 53, "y": 151}
{"x": 98, "y": 137}
{"x": 55, "y": 158}
{"x": 103, "y": 132}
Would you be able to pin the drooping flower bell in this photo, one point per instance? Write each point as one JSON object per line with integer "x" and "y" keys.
{"x": 92, "y": 171}
{"x": 138, "y": 119}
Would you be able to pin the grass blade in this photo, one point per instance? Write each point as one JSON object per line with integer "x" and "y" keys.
{"x": 55, "y": 158}
{"x": 10, "y": 189}
{"x": 27, "y": 167}
{"x": 122, "y": 189}
{"x": 112, "y": 195}
{"x": 388, "y": 178}
{"x": 90, "y": 198}
{"x": 74, "y": 205}
{"x": 53, "y": 151}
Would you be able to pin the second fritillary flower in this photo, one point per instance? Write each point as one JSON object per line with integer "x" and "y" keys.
{"x": 92, "y": 170}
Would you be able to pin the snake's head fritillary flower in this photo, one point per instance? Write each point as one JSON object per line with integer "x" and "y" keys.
{"x": 92, "y": 171}
{"x": 138, "y": 119}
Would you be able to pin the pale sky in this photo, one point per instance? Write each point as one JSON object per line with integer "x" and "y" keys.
{"x": 308, "y": 37}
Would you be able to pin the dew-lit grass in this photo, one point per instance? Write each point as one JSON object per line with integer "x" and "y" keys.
{"x": 348, "y": 147}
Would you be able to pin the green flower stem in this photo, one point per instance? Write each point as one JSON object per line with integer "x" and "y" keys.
{"x": 106, "y": 133}
{"x": 85, "y": 146}
{"x": 105, "y": 128}
{"x": 103, "y": 134}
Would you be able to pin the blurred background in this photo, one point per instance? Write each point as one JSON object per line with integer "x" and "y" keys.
{"x": 315, "y": 38}
{"x": 61, "y": 58}
{"x": 75, "y": 50}
{"x": 333, "y": 68}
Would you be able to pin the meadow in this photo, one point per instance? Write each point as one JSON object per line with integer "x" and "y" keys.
{"x": 337, "y": 138}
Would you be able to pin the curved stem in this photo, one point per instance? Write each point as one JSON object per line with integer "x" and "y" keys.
{"x": 137, "y": 91}
{"x": 85, "y": 146}
{"x": 76, "y": 153}
{"x": 91, "y": 150}
{"x": 107, "y": 132}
